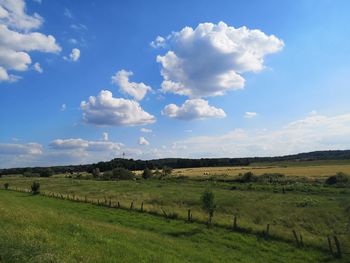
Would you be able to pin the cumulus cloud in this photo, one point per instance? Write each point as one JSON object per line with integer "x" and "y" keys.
{"x": 136, "y": 90}
{"x": 17, "y": 40}
{"x": 210, "y": 59}
{"x": 80, "y": 144}
{"x": 313, "y": 132}
{"x": 143, "y": 141}
{"x": 145, "y": 130}
{"x": 38, "y": 68}
{"x": 193, "y": 109}
{"x": 73, "y": 56}
{"x": 104, "y": 110}
{"x": 250, "y": 115}
{"x": 20, "y": 149}
{"x": 63, "y": 107}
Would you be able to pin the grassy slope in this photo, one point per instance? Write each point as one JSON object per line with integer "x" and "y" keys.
{"x": 41, "y": 229}
{"x": 316, "y": 211}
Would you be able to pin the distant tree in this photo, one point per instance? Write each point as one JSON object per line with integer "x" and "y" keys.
{"x": 167, "y": 170}
{"x": 6, "y": 186}
{"x": 248, "y": 177}
{"x": 47, "y": 172}
{"x": 122, "y": 174}
{"x": 338, "y": 179}
{"x": 208, "y": 204}
{"x": 35, "y": 188}
{"x": 147, "y": 173}
{"x": 96, "y": 172}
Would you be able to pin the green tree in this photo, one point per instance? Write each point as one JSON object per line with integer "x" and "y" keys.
{"x": 167, "y": 170}
{"x": 208, "y": 204}
{"x": 35, "y": 188}
{"x": 122, "y": 174}
{"x": 6, "y": 186}
{"x": 47, "y": 172}
{"x": 147, "y": 173}
{"x": 96, "y": 172}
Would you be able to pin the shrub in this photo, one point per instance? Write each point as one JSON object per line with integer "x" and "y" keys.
{"x": 208, "y": 204}
{"x": 6, "y": 186}
{"x": 147, "y": 173}
{"x": 122, "y": 174}
{"x": 271, "y": 177}
{"x": 248, "y": 177}
{"x": 338, "y": 179}
{"x": 35, "y": 188}
{"x": 96, "y": 172}
{"x": 46, "y": 172}
{"x": 167, "y": 170}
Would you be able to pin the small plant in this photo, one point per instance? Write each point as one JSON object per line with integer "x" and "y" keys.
{"x": 208, "y": 204}
{"x": 340, "y": 179}
{"x": 248, "y": 177}
{"x": 147, "y": 173}
{"x": 35, "y": 188}
{"x": 6, "y": 186}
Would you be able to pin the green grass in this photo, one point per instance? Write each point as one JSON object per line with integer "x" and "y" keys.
{"x": 42, "y": 229}
{"x": 312, "y": 209}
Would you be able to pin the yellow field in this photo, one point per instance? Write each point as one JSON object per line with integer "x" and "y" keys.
{"x": 315, "y": 171}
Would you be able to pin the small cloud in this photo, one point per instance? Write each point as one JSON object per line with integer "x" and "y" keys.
{"x": 250, "y": 115}
{"x": 73, "y": 56}
{"x": 143, "y": 141}
{"x": 73, "y": 41}
{"x": 145, "y": 130}
{"x": 78, "y": 27}
{"x": 63, "y": 107}
{"x": 67, "y": 13}
{"x": 105, "y": 136}
{"x": 188, "y": 130}
{"x": 38, "y": 68}
{"x": 159, "y": 42}
{"x": 37, "y": 1}
{"x": 15, "y": 139}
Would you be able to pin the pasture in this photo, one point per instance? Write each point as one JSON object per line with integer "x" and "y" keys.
{"x": 301, "y": 202}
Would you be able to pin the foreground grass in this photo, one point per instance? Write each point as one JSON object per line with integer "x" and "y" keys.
{"x": 314, "y": 210}
{"x": 41, "y": 229}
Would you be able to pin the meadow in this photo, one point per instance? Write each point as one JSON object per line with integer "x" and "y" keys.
{"x": 300, "y": 202}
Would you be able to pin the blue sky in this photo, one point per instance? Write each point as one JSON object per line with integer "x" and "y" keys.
{"x": 171, "y": 79}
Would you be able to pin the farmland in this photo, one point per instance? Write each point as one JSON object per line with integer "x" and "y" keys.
{"x": 300, "y": 202}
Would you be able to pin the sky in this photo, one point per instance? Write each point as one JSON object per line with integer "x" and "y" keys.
{"x": 86, "y": 81}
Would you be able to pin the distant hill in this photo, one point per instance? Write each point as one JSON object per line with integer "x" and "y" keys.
{"x": 181, "y": 162}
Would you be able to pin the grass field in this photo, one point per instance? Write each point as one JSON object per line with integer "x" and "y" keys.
{"x": 41, "y": 229}
{"x": 307, "y": 206}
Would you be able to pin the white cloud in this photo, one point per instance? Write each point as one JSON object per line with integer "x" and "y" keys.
{"x": 73, "y": 56}
{"x": 38, "y": 68}
{"x": 16, "y": 40}
{"x": 80, "y": 144}
{"x": 105, "y": 136}
{"x": 104, "y": 110}
{"x": 210, "y": 59}
{"x": 143, "y": 141}
{"x": 193, "y": 109}
{"x": 159, "y": 42}
{"x": 13, "y": 14}
{"x": 67, "y": 13}
{"x": 20, "y": 149}
{"x": 136, "y": 90}
{"x": 38, "y": 1}
{"x": 63, "y": 107}
{"x": 250, "y": 115}
{"x": 79, "y": 27}
{"x": 145, "y": 130}
{"x": 314, "y": 132}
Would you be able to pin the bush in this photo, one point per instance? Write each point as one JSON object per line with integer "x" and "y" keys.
{"x": 6, "y": 186}
{"x": 167, "y": 170}
{"x": 122, "y": 174}
{"x": 208, "y": 204}
{"x": 96, "y": 173}
{"x": 46, "y": 172}
{"x": 338, "y": 179}
{"x": 35, "y": 188}
{"x": 248, "y": 177}
{"x": 147, "y": 173}
{"x": 271, "y": 177}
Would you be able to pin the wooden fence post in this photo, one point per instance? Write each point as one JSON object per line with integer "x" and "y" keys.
{"x": 296, "y": 237}
{"x": 337, "y": 244}
{"x": 301, "y": 240}
{"x": 330, "y": 245}
{"x": 142, "y": 207}
{"x": 132, "y": 205}
{"x": 110, "y": 202}
{"x": 234, "y": 222}
{"x": 189, "y": 216}
{"x": 267, "y": 231}
{"x": 118, "y": 204}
